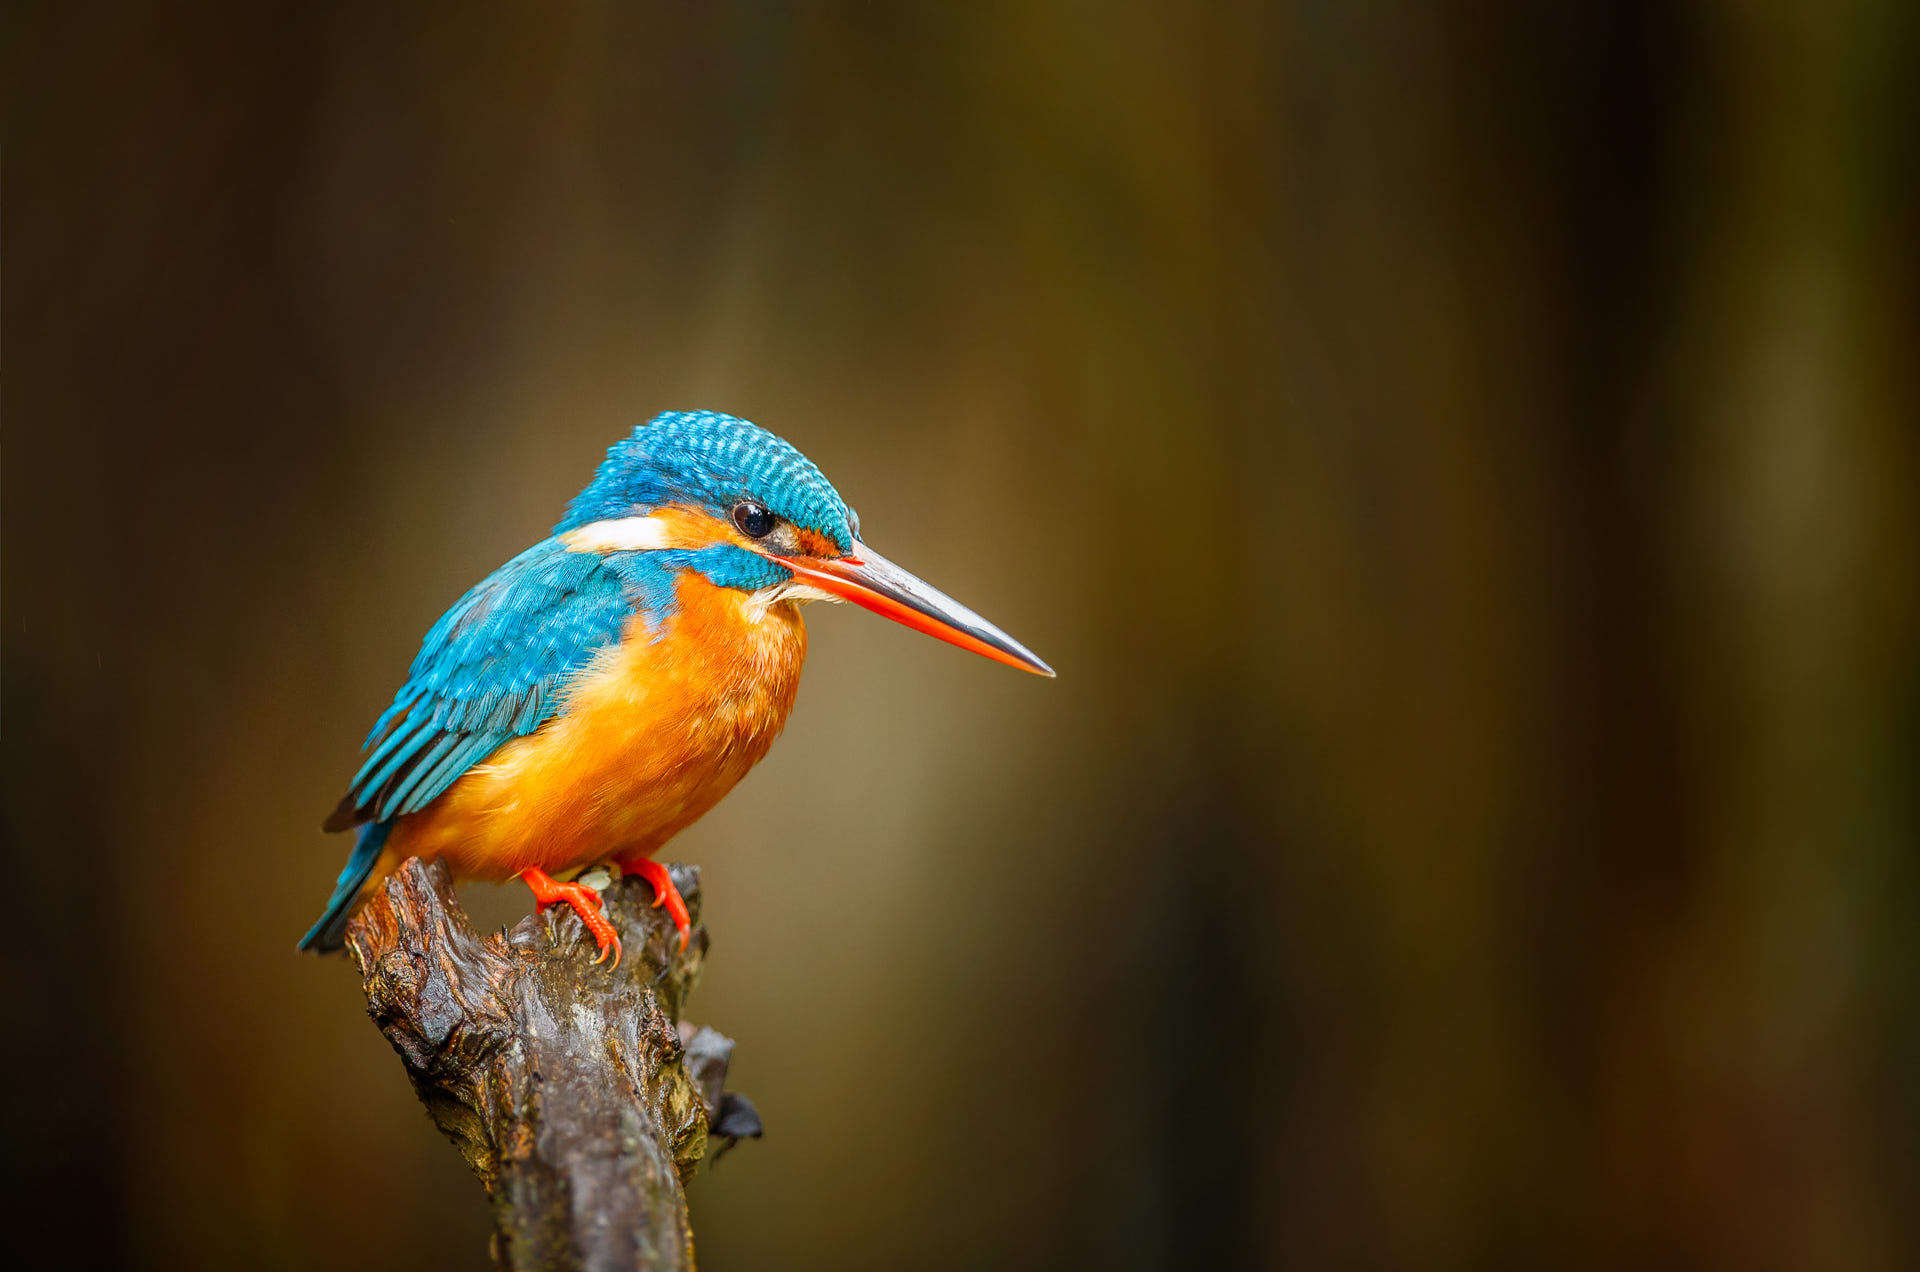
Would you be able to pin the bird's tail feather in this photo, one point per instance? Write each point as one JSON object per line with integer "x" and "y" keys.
{"x": 330, "y": 932}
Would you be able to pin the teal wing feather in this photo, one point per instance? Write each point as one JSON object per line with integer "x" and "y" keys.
{"x": 494, "y": 667}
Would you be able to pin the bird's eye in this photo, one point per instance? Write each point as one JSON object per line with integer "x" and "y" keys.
{"x": 753, "y": 519}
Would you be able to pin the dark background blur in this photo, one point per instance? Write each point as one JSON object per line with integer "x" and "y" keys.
{"x": 1460, "y": 457}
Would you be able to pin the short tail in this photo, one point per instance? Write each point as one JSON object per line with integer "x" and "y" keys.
{"x": 330, "y": 932}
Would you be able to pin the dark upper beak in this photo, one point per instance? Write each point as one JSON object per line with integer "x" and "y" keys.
{"x": 868, "y": 579}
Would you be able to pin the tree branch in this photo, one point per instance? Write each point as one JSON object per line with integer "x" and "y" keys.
{"x": 570, "y": 1088}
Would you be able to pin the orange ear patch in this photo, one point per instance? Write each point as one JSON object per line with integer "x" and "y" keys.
{"x": 684, "y": 527}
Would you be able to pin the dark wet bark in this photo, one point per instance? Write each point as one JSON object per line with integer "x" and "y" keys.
{"x": 573, "y": 1091}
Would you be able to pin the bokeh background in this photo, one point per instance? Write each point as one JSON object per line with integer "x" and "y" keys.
{"x": 1460, "y": 455}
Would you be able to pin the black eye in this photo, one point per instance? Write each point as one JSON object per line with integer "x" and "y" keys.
{"x": 753, "y": 519}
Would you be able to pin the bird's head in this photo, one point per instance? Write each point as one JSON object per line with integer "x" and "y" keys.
{"x": 729, "y": 499}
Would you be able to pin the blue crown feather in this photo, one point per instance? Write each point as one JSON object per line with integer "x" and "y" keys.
{"x": 711, "y": 460}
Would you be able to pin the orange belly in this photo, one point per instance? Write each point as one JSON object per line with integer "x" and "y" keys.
{"x": 653, "y": 734}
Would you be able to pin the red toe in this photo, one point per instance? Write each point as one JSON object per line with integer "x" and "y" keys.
{"x": 586, "y": 903}
{"x": 664, "y": 892}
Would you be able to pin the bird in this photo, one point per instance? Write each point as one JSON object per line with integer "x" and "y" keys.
{"x": 604, "y": 689}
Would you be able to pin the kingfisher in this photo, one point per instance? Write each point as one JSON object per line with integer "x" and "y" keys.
{"x": 600, "y": 692}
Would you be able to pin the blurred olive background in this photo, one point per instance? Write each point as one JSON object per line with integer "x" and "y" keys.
{"x": 1459, "y": 454}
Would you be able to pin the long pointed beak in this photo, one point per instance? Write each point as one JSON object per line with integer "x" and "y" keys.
{"x": 868, "y": 579}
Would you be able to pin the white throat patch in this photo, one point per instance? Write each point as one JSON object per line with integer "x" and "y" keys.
{"x": 795, "y": 590}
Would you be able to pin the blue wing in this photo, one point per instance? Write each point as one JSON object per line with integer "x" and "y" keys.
{"x": 493, "y": 668}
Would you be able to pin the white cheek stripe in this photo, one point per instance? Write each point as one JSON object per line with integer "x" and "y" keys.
{"x": 629, "y": 534}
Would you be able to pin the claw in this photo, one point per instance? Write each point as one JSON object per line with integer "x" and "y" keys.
{"x": 586, "y": 903}
{"x": 664, "y": 893}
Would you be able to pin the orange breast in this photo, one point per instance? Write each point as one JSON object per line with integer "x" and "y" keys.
{"x": 653, "y": 734}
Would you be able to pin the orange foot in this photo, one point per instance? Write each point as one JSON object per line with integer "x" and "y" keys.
{"x": 585, "y": 902}
{"x": 663, "y": 891}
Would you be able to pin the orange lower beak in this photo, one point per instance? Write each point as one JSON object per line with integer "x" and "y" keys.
{"x": 870, "y": 580}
